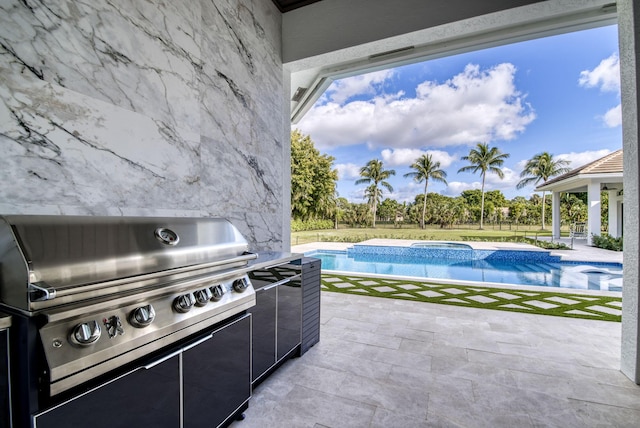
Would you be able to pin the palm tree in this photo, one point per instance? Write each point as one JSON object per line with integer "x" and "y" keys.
{"x": 426, "y": 168}
{"x": 373, "y": 173}
{"x": 541, "y": 167}
{"x": 484, "y": 159}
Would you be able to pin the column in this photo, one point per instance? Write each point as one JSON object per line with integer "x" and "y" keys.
{"x": 555, "y": 215}
{"x": 593, "y": 203}
{"x": 614, "y": 230}
{"x": 629, "y": 42}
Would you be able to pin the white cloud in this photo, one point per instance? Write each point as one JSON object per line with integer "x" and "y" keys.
{"x": 405, "y": 157}
{"x": 576, "y": 160}
{"x": 454, "y": 188}
{"x": 473, "y": 106}
{"x": 348, "y": 171}
{"x": 341, "y": 90}
{"x": 606, "y": 75}
{"x": 582, "y": 158}
{"x": 613, "y": 117}
{"x": 511, "y": 178}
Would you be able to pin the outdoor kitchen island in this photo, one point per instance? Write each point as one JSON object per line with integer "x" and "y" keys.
{"x": 132, "y": 321}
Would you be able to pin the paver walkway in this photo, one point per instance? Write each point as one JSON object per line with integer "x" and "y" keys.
{"x": 531, "y": 299}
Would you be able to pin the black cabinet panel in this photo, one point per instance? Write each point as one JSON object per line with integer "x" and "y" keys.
{"x": 144, "y": 397}
{"x": 217, "y": 377}
{"x": 4, "y": 379}
{"x": 311, "y": 274}
{"x": 289, "y": 324}
{"x": 263, "y": 333}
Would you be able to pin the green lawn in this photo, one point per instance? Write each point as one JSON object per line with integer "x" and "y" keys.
{"x": 465, "y": 233}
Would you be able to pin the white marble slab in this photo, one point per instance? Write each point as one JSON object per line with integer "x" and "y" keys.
{"x": 113, "y": 107}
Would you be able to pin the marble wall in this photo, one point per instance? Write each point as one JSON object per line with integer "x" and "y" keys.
{"x": 120, "y": 107}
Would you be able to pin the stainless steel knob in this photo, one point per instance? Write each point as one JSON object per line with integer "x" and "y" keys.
{"x": 216, "y": 293}
{"x": 142, "y": 316}
{"x": 184, "y": 303}
{"x": 240, "y": 285}
{"x": 86, "y": 334}
{"x": 203, "y": 296}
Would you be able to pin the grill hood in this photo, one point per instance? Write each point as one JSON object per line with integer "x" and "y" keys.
{"x": 40, "y": 255}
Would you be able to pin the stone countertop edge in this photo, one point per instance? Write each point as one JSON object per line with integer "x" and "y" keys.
{"x": 267, "y": 259}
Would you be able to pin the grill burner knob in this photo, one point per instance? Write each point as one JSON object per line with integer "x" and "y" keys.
{"x": 203, "y": 296}
{"x": 142, "y": 316}
{"x": 216, "y": 293}
{"x": 184, "y": 303}
{"x": 240, "y": 285}
{"x": 86, "y": 334}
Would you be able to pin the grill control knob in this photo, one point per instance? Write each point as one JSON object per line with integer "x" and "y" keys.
{"x": 184, "y": 303}
{"x": 240, "y": 285}
{"x": 142, "y": 316}
{"x": 216, "y": 293}
{"x": 86, "y": 334}
{"x": 203, "y": 296}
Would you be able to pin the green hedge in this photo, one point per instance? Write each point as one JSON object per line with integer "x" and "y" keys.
{"x": 300, "y": 226}
{"x": 607, "y": 242}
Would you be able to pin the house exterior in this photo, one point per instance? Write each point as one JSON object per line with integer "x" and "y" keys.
{"x": 601, "y": 175}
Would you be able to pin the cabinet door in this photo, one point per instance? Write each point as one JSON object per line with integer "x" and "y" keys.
{"x": 146, "y": 397}
{"x": 289, "y": 319}
{"x": 4, "y": 380}
{"x": 263, "y": 335}
{"x": 216, "y": 375}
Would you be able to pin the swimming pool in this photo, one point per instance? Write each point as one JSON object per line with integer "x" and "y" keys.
{"x": 497, "y": 266}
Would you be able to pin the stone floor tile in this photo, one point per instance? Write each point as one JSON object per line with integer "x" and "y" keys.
{"x": 411, "y": 401}
{"x": 305, "y": 407}
{"x": 384, "y": 418}
{"x": 418, "y": 367}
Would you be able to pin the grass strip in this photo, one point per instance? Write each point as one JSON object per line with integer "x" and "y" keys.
{"x": 571, "y": 305}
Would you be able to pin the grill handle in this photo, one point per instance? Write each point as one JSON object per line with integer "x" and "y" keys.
{"x": 162, "y": 360}
{"x": 117, "y": 282}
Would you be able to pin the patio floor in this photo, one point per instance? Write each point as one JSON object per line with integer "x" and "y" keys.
{"x": 394, "y": 363}
{"x": 399, "y": 363}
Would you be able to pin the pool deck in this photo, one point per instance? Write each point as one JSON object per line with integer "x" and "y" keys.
{"x": 580, "y": 251}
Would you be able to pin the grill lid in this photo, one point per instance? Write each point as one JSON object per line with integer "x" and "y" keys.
{"x": 59, "y": 252}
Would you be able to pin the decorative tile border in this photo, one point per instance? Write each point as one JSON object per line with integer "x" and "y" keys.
{"x": 530, "y": 256}
{"x": 587, "y": 306}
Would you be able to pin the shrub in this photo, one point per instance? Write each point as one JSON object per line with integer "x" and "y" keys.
{"x": 607, "y": 242}
{"x": 300, "y": 226}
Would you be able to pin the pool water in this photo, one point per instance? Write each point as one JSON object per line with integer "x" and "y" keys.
{"x": 497, "y": 269}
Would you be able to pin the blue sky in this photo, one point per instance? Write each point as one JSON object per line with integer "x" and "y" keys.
{"x": 558, "y": 94}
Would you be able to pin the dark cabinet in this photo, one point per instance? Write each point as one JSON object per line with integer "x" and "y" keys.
{"x": 147, "y": 396}
{"x": 263, "y": 316}
{"x": 217, "y": 377}
{"x": 277, "y": 317}
{"x": 289, "y": 317}
{"x": 5, "y": 403}
{"x": 311, "y": 271}
{"x": 203, "y": 383}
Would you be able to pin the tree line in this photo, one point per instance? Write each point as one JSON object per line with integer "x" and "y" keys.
{"x": 314, "y": 199}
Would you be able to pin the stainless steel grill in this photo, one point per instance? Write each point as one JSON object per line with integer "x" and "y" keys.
{"x": 101, "y": 292}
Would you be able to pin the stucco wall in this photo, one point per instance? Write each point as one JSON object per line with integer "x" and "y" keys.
{"x": 629, "y": 33}
{"x": 144, "y": 108}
